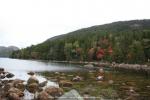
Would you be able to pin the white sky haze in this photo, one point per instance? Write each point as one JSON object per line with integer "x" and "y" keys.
{"x": 26, "y": 22}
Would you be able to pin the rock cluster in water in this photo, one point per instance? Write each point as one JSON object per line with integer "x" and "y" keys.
{"x": 17, "y": 89}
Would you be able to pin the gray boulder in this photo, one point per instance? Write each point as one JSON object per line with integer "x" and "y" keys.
{"x": 71, "y": 95}
{"x": 42, "y": 84}
{"x": 9, "y": 75}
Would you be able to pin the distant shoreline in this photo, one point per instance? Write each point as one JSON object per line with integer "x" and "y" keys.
{"x": 134, "y": 67}
{"x": 144, "y": 68}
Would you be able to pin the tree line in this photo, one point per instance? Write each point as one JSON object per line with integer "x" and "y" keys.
{"x": 127, "y": 42}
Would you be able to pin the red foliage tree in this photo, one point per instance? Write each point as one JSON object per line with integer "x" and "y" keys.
{"x": 100, "y": 53}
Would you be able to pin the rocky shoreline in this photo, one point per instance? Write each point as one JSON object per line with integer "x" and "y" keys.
{"x": 17, "y": 89}
{"x": 32, "y": 89}
{"x": 133, "y": 67}
{"x": 83, "y": 85}
{"x": 101, "y": 84}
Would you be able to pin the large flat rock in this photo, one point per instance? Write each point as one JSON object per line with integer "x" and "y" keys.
{"x": 71, "y": 95}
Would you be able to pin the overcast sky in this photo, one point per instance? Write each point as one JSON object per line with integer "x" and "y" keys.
{"x": 26, "y": 22}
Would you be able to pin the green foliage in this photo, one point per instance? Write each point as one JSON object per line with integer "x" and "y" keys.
{"x": 129, "y": 41}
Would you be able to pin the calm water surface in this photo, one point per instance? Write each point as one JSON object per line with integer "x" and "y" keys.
{"x": 21, "y": 67}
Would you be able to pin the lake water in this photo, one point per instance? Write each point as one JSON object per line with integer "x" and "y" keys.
{"x": 21, "y": 67}
{"x": 122, "y": 80}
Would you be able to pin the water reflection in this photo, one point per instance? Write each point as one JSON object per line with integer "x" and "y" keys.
{"x": 20, "y": 67}
{"x": 32, "y": 65}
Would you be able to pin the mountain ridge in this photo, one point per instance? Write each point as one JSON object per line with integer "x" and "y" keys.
{"x": 122, "y": 41}
{"x": 6, "y": 51}
{"x": 103, "y": 25}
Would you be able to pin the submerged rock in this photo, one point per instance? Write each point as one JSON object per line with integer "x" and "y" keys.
{"x": 148, "y": 86}
{"x": 65, "y": 83}
{"x": 131, "y": 83}
{"x": 54, "y": 91}
{"x": 71, "y": 95}
{"x": 53, "y": 79}
{"x": 109, "y": 93}
{"x": 124, "y": 87}
{"x": 61, "y": 78}
{"x": 110, "y": 81}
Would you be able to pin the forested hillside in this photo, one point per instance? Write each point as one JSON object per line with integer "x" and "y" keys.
{"x": 126, "y": 41}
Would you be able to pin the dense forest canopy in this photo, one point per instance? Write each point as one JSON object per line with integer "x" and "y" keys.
{"x": 124, "y": 41}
